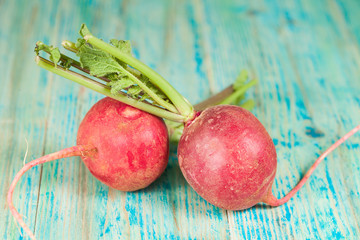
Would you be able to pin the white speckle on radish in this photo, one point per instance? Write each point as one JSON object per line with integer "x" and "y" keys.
{"x": 130, "y": 112}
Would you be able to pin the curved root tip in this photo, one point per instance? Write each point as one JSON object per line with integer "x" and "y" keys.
{"x": 67, "y": 152}
{"x": 271, "y": 200}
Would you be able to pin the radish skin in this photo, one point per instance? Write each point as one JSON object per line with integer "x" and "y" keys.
{"x": 132, "y": 145}
{"x": 227, "y": 156}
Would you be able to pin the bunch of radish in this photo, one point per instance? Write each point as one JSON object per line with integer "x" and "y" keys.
{"x": 225, "y": 153}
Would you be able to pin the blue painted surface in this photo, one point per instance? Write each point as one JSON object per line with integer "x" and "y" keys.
{"x": 306, "y": 55}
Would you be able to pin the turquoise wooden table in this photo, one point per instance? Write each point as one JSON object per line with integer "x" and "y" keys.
{"x": 306, "y": 55}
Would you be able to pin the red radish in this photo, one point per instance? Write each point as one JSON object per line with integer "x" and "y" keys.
{"x": 228, "y": 157}
{"x": 124, "y": 147}
{"x": 132, "y": 145}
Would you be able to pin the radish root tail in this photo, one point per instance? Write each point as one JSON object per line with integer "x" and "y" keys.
{"x": 271, "y": 200}
{"x": 67, "y": 152}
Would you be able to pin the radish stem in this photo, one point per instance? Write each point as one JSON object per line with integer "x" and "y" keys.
{"x": 227, "y": 96}
{"x": 68, "y": 45}
{"x": 248, "y": 105}
{"x": 213, "y": 100}
{"x": 238, "y": 92}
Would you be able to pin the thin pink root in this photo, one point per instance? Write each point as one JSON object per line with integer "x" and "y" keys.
{"x": 273, "y": 201}
{"x": 67, "y": 152}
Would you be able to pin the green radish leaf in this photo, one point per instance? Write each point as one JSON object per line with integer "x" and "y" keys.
{"x": 84, "y": 30}
{"x": 66, "y": 63}
{"x": 175, "y": 130}
{"x": 117, "y": 86}
{"x": 156, "y": 90}
{"x": 123, "y": 45}
{"x": 240, "y": 80}
{"x": 53, "y": 51}
{"x": 134, "y": 90}
{"x": 97, "y": 61}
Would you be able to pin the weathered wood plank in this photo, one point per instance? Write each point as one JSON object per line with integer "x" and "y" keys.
{"x": 23, "y": 112}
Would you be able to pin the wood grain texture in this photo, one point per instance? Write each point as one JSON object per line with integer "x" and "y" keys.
{"x": 306, "y": 55}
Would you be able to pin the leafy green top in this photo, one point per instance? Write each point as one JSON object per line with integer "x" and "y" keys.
{"x": 121, "y": 79}
{"x": 110, "y": 69}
